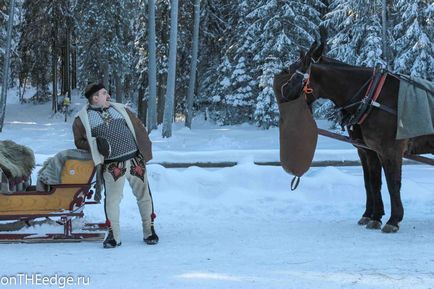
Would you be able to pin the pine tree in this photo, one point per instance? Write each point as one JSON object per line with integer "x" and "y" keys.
{"x": 6, "y": 62}
{"x": 266, "y": 110}
{"x": 35, "y": 54}
{"x": 219, "y": 20}
{"x": 358, "y": 26}
{"x": 270, "y": 34}
{"x": 296, "y": 24}
{"x": 4, "y": 5}
{"x": 4, "y": 17}
{"x": 414, "y": 38}
{"x": 105, "y": 41}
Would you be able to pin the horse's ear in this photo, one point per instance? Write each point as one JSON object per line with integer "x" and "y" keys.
{"x": 312, "y": 48}
{"x": 305, "y": 61}
{"x": 323, "y": 33}
{"x": 307, "y": 58}
{"x": 318, "y": 52}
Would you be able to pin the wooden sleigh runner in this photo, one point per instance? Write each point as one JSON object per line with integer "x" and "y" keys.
{"x": 61, "y": 204}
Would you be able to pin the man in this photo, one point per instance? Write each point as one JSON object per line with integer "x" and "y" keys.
{"x": 118, "y": 141}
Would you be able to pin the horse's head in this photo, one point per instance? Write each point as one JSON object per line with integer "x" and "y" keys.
{"x": 289, "y": 83}
{"x": 314, "y": 55}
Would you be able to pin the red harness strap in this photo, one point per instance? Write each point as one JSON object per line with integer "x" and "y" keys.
{"x": 375, "y": 96}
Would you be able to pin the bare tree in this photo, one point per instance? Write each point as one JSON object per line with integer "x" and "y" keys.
{"x": 6, "y": 65}
{"x": 170, "y": 92}
{"x": 192, "y": 84}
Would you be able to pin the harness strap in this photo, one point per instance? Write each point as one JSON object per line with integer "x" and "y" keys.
{"x": 376, "y": 83}
{"x": 379, "y": 87}
{"x": 374, "y": 93}
{"x": 383, "y": 107}
{"x": 350, "y": 102}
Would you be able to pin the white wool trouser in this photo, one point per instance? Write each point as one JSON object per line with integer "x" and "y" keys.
{"x": 115, "y": 173}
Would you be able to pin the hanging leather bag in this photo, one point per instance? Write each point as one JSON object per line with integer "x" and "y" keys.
{"x": 298, "y": 135}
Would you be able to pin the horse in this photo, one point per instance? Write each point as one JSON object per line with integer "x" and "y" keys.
{"x": 316, "y": 76}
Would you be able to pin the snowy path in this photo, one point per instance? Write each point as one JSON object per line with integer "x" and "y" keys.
{"x": 242, "y": 227}
{"x": 239, "y": 227}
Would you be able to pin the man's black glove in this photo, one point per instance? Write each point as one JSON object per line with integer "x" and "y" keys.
{"x": 103, "y": 146}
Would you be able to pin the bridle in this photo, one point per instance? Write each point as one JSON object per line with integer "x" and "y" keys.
{"x": 297, "y": 72}
{"x": 305, "y": 88}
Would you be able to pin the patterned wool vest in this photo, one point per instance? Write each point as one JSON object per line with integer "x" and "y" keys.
{"x": 110, "y": 124}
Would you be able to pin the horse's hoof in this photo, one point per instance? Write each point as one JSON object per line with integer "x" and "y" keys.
{"x": 363, "y": 221}
{"x": 373, "y": 225}
{"x": 390, "y": 229}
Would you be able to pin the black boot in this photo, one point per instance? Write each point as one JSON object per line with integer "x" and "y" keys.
{"x": 110, "y": 241}
{"x": 153, "y": 239}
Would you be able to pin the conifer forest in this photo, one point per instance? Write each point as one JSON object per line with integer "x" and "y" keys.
{"x": 210, "y": 57}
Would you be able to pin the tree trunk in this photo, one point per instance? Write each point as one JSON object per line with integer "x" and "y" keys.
{"x": 74, "y": 67}
{"x": 384, "y": 28}
{"x": 152, "y": 69}
{"x": 106, "y": 75}
{"x": 127, "y": 86}
{"x": 142, "y": 106}
{"x": 162, "y": 77}
{"x": 171, "y": 75}
{"x": 118, "y": 88}
{"x": 6, "y": 65}
{"x": 23, "y": 84}
{"x": 54, "y": 65}
{"x": 161, "y": 98}
{"x": 68, "y": 62}
{"x": 145, "y": 111}
{"x": 54, "y": 79}
{"x": 62, "y": 72}
{"x": 192, "y": 84}
{"x": 141, "y": 95}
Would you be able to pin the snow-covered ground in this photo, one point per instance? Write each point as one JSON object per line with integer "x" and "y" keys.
{"x": 238, "y": 227}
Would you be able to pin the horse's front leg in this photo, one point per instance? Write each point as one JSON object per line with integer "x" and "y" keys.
{"x": 372, "y": 178}
{"x": 392, "y": 165}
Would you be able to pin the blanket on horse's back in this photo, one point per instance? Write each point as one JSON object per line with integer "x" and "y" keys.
{"x": 415, "y": 107}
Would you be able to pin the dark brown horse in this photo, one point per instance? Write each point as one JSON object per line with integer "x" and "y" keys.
{"x": 345, "y": 85}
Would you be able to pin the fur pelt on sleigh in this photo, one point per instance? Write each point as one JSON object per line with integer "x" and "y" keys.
{"x": 16, "y": 162}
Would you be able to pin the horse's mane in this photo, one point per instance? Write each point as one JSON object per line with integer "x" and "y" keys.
{"x": 329, "y": 60}
{"x": 344, "y": 66}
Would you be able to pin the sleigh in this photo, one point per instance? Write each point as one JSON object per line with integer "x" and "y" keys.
{"x": 60, "y": 205}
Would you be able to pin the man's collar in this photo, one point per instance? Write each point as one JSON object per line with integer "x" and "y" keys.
{"x": 98, "y": 108}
